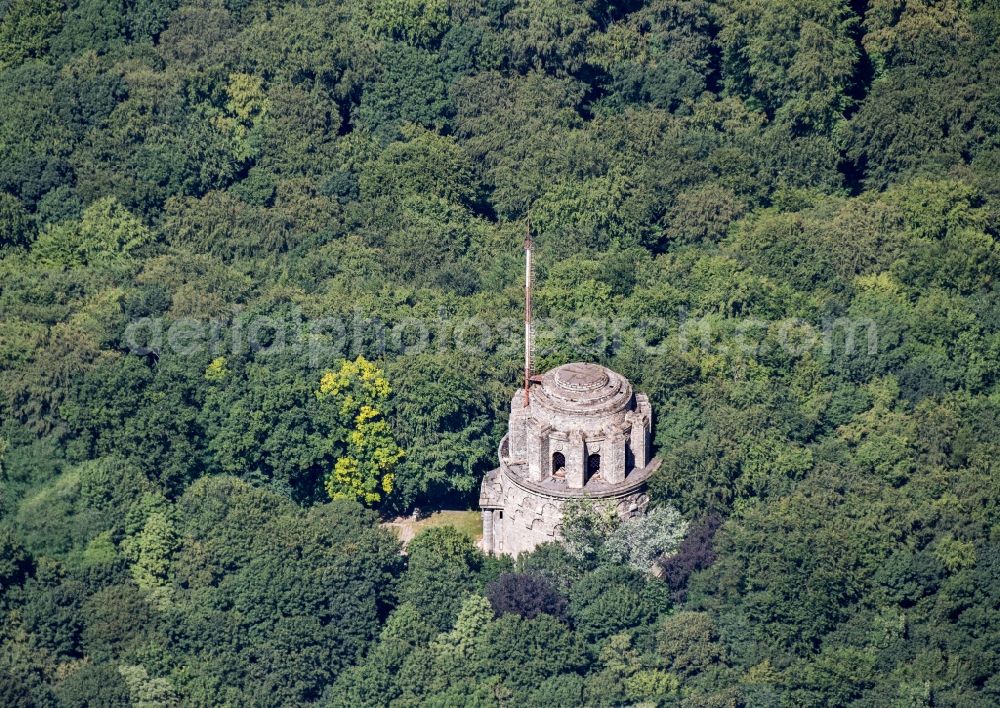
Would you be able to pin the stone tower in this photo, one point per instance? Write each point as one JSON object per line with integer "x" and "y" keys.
{"x": 581, "y": 433}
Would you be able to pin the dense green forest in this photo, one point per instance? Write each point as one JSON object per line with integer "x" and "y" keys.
{"x": 792, "y": 206}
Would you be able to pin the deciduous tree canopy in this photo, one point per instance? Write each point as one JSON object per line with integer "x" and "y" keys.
{"x": 260, "y": 289}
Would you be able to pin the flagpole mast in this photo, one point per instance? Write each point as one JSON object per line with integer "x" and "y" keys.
{"x": 528, "y": 343}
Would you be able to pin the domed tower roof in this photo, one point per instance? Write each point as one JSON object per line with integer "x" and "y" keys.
{"x": 578, "y": 396}
{"x": 586, "y": 392}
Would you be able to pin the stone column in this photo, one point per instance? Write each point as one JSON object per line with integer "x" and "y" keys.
{"x": 576, "y": 460}
{"x": 641, "y": 443}
{"x": 613, "y": 456}
{"x": 639, "y": 440}
{"x": 488, "y": 531}
{"x": 516, "y": 438}
{"x": 498, "y": 544}
{"x": 538, "y": 450}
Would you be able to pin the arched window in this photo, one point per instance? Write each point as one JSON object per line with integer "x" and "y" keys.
{"x": 558, "y": 465}
{"x": 593, "y": 465}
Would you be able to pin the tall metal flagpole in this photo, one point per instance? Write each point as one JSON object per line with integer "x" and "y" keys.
{"x": 528, "y": 344}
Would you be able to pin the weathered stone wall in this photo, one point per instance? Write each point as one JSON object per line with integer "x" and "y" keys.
{"x": 527, "y": 518}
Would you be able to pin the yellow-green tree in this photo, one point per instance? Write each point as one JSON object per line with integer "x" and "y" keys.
{"x": 365, "y": 471}
{"x": 244, "y": 112}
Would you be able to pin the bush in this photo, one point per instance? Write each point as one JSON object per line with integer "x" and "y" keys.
{"x": 695, "y": 553}
{"x": 525, "y": 594}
